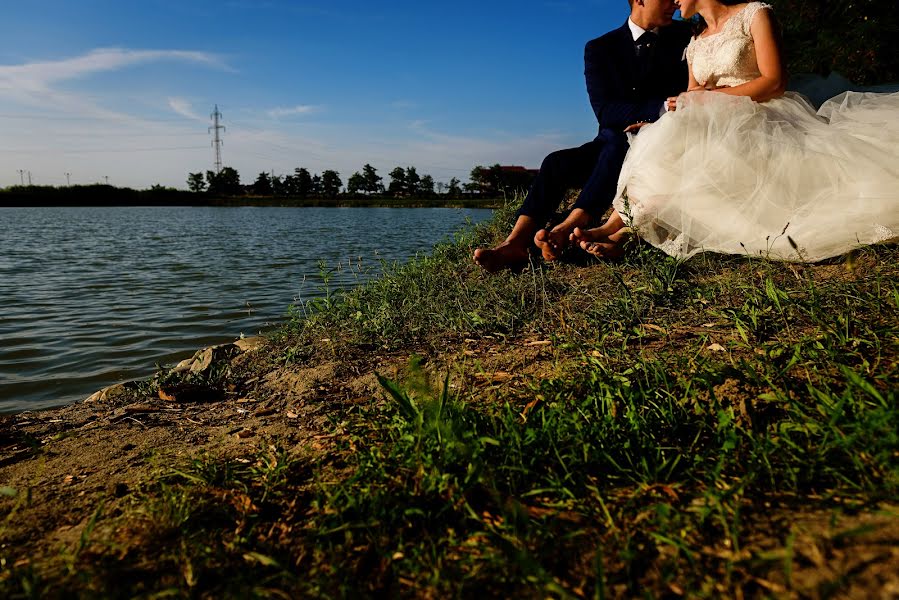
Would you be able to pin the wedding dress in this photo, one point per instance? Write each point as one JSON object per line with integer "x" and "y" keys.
{"x": 778, "y": 179}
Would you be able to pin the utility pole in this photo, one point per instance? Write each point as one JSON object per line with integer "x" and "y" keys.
{"x": 68, "y": 179}
{"x": 29, "y": 178}
{"x": 217, "y": 141}
{"x": 21, "y": 176}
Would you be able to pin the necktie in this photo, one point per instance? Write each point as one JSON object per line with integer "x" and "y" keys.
{"x": 645, "y": 43}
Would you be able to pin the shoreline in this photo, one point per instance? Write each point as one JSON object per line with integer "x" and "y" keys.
{"x": 725, "y": 426}
{"x": 107, "y": 196}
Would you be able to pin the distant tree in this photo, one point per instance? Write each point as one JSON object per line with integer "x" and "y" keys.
{"x": 315, "y": 189}
{"x": 279, "y": 187}
{"x": 303, "y": 182}
{"x": 195, "y": 182}
{"x": 355, "y": 184}
{"x": 495, "y": 181}
{"x": 452, "y": 188}
{"x": 514, "y": 181}
{"x": 263, "y": 185}
{"x": 397, "y": 187}
{"x": 413, "y": 180}
{"x": 426, "y": 187}
{"x": 224, "y": 183}
{"x": 371, "y": 180}
{"x": 484, "y": 181}
{"x": 290, "y": 185}
{"x": 331, "y": 183}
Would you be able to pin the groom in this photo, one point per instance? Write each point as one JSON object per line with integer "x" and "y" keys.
{"x": 630, "y": 73}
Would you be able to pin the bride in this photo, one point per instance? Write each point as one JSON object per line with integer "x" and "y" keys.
{"x": 740, "y": 166}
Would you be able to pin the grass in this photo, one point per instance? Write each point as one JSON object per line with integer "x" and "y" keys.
{"x": 694, "y": 423}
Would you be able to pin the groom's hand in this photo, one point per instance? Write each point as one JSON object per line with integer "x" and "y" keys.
{"x": 635, "y": 126}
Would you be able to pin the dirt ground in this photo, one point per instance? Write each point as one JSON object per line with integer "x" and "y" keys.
{"x": 65, "y": 462}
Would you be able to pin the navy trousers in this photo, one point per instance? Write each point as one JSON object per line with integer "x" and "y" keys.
{"x": 593, "y": 167}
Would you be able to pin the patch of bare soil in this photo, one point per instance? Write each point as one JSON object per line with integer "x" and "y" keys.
{"x": 64, "y": 463}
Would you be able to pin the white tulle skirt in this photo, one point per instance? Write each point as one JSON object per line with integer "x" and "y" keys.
{"x": 726, "y": 174}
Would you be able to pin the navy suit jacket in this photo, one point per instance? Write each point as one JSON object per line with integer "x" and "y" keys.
{"x": 621, "y": 94}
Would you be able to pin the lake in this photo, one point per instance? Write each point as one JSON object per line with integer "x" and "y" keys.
{"x": 94, "y": 296}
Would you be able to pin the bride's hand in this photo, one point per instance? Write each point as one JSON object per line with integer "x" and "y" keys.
{"x": 671, "y": 103}
{"x": 635, "y": 126}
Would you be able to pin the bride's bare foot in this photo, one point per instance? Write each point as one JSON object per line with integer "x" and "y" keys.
{"x": 609, "y": 247}
{"x": 598, "y": 234}
{"x": 504, "y": 256}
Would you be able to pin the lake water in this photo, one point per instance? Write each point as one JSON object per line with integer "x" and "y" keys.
{"x": 94, "y": 296}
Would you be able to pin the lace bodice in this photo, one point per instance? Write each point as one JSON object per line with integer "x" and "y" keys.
{"x": 727, "y": 57}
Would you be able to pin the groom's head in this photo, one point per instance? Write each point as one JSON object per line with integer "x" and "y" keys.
{"x": 650, "y": 14}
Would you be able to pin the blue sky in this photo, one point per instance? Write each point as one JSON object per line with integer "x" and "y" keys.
{"x": 124, "y": 89}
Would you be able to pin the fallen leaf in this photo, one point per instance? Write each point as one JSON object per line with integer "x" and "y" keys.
{"x": 527, "y": 409}
{"x": 717, "y": 348}
{"x": 292, "y": 415}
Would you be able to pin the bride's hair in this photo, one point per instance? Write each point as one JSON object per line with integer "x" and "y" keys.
{"x": 699, "y": 24}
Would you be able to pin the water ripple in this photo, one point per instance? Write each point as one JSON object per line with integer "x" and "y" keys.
{"x": 92, "y": 296}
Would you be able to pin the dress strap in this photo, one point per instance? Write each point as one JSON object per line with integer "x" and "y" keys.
{"x": 747, "y": 14}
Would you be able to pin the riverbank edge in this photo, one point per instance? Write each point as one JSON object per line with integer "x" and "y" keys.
{"x": 116, "y": 197}
{"x": 291, "y": 403}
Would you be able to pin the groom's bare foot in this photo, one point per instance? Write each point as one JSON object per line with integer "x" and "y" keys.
{"x": 504, "y": 256}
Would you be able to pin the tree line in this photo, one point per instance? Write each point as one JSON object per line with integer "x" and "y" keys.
{"x": 404, "y": 182}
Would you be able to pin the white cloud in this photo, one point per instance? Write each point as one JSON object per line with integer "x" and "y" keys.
{"x": 38, "y": 76}
{"x": 301, "y": 109}
{"x": 184, "y": 108}
{"x": 35, "y": 84}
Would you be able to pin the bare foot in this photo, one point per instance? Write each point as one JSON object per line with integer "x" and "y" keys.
{"x": 504, "y": 256}
{"x": 598, "y": 234}
{"x": 607, "y": 247}
{"x": 554, "y": 241}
